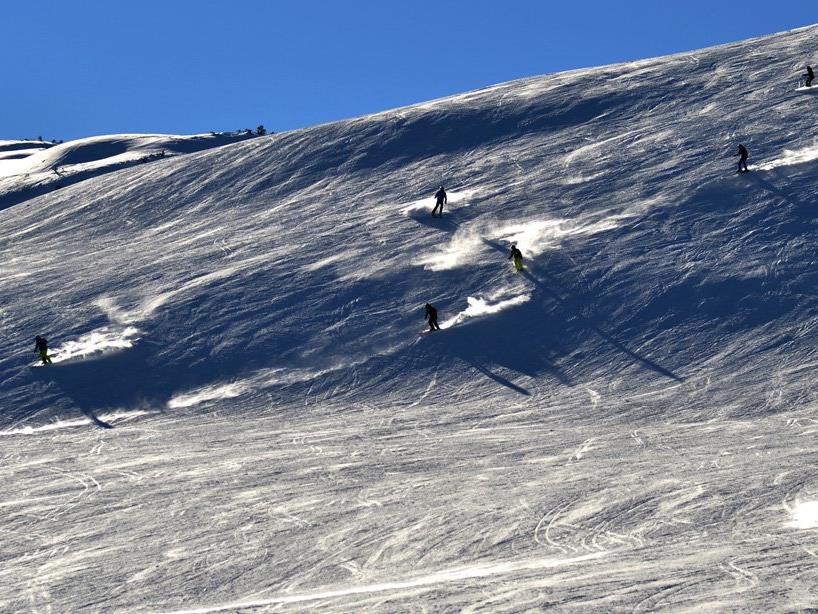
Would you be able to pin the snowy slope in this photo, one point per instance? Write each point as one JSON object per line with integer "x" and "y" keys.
{"x": 17, "y": 150}
{"x": 628, "y": 424}
{"x": 32, "y": 168}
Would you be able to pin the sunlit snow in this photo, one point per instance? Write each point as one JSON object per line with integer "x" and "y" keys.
{"x": 804, "y": 515}
{"x": 248, "y": 412}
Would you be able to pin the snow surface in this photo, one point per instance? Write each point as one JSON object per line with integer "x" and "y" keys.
{"x": 17, "y": 150}
{"x": 242, "y": 415}
{"x": 32, "y": 168}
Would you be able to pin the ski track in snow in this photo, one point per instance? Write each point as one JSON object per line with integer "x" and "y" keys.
{"x": 242, "y": 415}
{"x": 454, "y": 575}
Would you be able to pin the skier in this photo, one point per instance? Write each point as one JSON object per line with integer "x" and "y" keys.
{"x": 440, "y": 200}
{"x": 810, "y": 76}
{"x": 517, "y": 255}
{"x": 742, "y": 161}
{"x": 431, "y": 315}
{"x": 41, "y": 346}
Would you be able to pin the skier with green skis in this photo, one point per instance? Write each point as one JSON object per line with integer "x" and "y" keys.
{"x": 41, "y": 346}
{"x": 517, "y": 256}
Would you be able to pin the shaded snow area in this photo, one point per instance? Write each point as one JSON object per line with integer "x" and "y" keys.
{"x": 243, "y": 414}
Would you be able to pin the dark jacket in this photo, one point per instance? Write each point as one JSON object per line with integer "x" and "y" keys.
{"x": 431, "y": 313}
{"x": 742, "y": 151}
{"x": 441, "y": 196}
{"x": 515, "y": 253}
{"x": 810, "y": 74}
{"x": 40, "y": 344}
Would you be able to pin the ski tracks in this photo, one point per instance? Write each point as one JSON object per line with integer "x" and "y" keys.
{"x": 744, "y": 578}
{"x": 83, "y": 479}
{"x": 592, "y": 526}
{"x": 667, "y": 595}
{"x": 546, "y": 523}
{"x": 586, "y": 446}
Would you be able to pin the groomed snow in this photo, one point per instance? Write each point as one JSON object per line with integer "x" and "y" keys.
{"x": 244, "y": 416}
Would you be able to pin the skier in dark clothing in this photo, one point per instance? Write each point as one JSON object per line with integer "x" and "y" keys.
{"x": 517, "y": 255}
{"x": 440, "y": 200}
{"x": 810, "y": 76}
{"x": 431, "y": 315}
{"x": 41, "y": 346}
{"x": 742, "y": 161}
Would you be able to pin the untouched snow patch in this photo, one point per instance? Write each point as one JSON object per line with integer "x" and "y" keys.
{"x": 804, "y": 515}
{"x": 330, "y": 260}
{"x": 440, "y": 577}
{"x": 66, "y": 424}
{"x": 209, "y": 393}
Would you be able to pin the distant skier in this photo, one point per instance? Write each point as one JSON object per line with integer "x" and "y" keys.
{"x": 742, "y": 161}
{"x": 440, "y": 200}
{"x": 517, "y": 255}
{"x": 431, "y": 315}
{"x": 41, "y": 346}
{"x": 810, "y": 76}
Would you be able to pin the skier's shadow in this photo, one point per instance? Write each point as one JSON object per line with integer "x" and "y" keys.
{"x": 115, "y": 380}
{"x": 564, "y": 302}
{"x": 136, "y": 378}
{"x": 524, "y": 339}
{"x": 447, "y": 223}
{"x": 499, "y": 379}
{"x": 60, "y": 376}
{"x": 519, "y": 340}
{"x": 647, "y": 362}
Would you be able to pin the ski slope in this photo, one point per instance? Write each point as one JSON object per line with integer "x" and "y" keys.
{"x": 18, "y": 150}
{"x": 243, "y": 416}
{"x": 31, "y": 168}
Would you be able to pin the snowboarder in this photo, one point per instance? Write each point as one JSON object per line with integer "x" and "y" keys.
{"x": 742, "y": 161}
{"x": 41, "y": 346}
{"x": 809, "y": 77}
{"x": 440, "y": 200}
{"x": 517, "y": 255}
{"x": 431, "y": 315}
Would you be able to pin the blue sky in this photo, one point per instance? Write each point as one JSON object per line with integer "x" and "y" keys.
{"x": 79, "y": 68}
